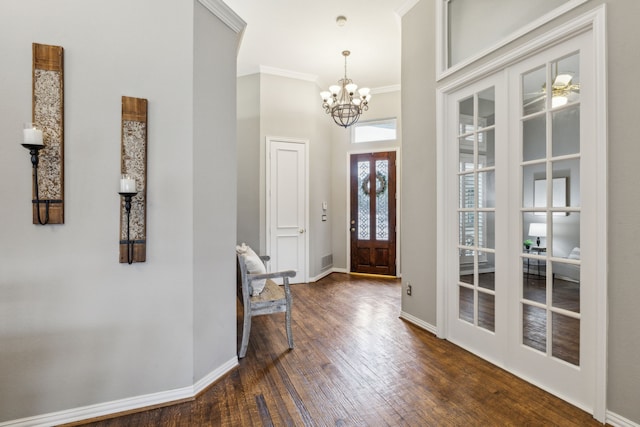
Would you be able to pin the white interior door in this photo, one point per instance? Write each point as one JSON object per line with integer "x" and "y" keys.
{"x": 517, "y": 148}
{"x": 552, "y": 305}
{"x": 287, "y": 237}
{"x": 476, "y": 199}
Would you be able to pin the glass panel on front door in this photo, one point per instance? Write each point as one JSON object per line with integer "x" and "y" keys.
{"x": 382, "y": 200}
{"x": 476, "y": 209}
{"x": 364, "y": 206}
{"x": 550, "y": 166}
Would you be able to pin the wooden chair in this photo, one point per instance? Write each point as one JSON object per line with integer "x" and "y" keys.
{"x": 273, "y": 299}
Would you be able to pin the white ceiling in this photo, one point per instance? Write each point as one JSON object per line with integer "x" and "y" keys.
{"x": 302, "y": 36}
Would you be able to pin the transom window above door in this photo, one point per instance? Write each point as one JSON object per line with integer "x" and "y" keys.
{"x": 462, "y": 35}
{"x": 374, "y": 131}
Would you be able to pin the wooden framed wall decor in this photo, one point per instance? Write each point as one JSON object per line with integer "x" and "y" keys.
{"x": 133, "y": 158}
{"x": 48, "y": 114}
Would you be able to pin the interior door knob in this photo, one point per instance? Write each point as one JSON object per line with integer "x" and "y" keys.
{"x": 353, "y": 229}
{"x": 301, "y": 230}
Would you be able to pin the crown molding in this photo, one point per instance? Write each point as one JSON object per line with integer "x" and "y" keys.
{"x": 263, "y": 69}
{"x": 385, "y": 89}
{"x": 273, "y": 71}
{"x": 406, "y": 7}
{"x": 225, "y": 14}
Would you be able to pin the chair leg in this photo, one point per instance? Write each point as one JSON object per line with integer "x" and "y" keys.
{"x": 246, "y": 330}
{"x": 288, "y": 321}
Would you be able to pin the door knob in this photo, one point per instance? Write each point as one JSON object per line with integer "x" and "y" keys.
{"x": 301, "y": 230}
{"x": 353, "y": 221}
{"x": 353, "y": 229}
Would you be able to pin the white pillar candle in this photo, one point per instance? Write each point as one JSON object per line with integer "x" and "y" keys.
{"x": 127, "y": 184}
{"x": 32, "y": 136}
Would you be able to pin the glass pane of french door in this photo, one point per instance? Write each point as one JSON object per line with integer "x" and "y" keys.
{"x": 550, "y": 209}
{"x": 476, "y": 209}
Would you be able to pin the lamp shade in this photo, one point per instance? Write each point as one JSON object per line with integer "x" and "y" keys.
{"x": 538, "y": 229}
{"x": 558, "y": 101}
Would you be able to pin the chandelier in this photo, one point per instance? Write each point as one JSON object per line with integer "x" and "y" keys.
{"x": 339, "y": 101}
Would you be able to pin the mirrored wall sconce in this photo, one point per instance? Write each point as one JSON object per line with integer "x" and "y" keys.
{"x": 128, "y": 191}
{"x": 32, "y": 141}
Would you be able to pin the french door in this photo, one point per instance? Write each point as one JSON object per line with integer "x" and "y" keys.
{"x": 477, "y": 293}
{"x": 373, "y": 213}
{"x": 521, "y": 251}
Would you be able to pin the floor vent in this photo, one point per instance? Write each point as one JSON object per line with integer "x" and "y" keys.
{"x": 327, "y": 261}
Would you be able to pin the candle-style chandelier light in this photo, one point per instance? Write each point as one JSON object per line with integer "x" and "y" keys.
{"x": 340, "y": 101}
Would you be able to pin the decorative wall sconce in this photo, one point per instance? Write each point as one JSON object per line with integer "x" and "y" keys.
{"x": 45, "y": 141}
{"x": 128, "y": 191}
{"x": 34, "y": 143}
{"x": 133, "y": 183}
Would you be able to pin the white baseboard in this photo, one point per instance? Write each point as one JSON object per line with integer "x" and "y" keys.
{"x": 123, "y": 405}
{"x": 619, "y": 421}
{"x": 419, "y": 323}
{"x": 326, "y": 273}
{"x": 214, "y": 376}
{"x": 321, "y": 275}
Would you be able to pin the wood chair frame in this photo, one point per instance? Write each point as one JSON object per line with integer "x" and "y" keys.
{"x": 273, "y": 299}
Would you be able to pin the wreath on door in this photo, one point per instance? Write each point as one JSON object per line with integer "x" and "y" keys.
{"x": 381, "y": 184}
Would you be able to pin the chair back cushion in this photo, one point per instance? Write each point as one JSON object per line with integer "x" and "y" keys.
{"x": 254, "y": 266}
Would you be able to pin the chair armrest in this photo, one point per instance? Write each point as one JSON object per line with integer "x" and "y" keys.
{"x": 283, "y": 274}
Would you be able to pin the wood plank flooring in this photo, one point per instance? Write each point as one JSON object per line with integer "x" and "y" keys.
{"x": 355, "y": 363}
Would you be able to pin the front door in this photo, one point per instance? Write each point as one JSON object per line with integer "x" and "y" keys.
{"x": 373, "y": 213}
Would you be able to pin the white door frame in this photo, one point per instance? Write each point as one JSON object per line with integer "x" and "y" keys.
{"x": 398, "y": 198}
{"x": 303, "y": 276}
{"x": 594, "y": 21}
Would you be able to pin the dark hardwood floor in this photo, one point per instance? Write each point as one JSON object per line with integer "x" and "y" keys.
{"x": 356, "y": 363}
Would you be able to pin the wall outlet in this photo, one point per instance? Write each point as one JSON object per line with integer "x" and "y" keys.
{"x": 408, "y": 288}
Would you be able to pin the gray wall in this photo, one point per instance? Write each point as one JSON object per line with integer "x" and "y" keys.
{"x": 419, "y": 162}
{"x": 249, "y": 160}
{"x": 77, "y": 327}
{"x": 624, "y": 228}
{"x": 418, "y": 89}
{"x": 214, "y": 193}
